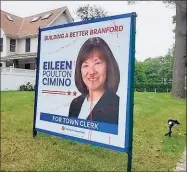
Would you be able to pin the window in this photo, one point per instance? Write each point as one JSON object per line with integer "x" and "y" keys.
{"x": 27, "y": 66}
{"x": 12, "y": 45}
{"x": 46, "y": 16}
{"x": 1, "y": 64}
{"x": 9, "y": 18}
{"x": 1, "y": 44}
{"x": 35, "y": 19}
{"x": 27, "y": 44}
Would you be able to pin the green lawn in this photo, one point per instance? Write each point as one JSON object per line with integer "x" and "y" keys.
{"x": 152, "y": 151}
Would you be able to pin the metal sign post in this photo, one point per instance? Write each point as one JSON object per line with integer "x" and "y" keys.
{"x": 133, "y": 33}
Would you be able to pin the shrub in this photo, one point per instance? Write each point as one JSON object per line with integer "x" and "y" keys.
{"x": 150, "y": 87}
{"x": 27, "y": 87}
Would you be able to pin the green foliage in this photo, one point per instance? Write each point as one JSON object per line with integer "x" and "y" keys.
{"x": 154, "y": 73}
{"x": 154, "y": 70}
{"x": 140, "y": 75}
{"x": 158, "y": 87}
{"x": 169, "y": 2}
{"x": 174, "y": 19}
{"x": 88, "y": 12}
{"x": 27, "y": 87}
{"x": 174, "y": 22}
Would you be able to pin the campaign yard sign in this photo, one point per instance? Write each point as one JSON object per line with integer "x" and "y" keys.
{"x": 84, "y": 83}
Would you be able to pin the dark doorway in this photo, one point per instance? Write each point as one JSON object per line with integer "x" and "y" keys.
{"x": 27, "y": 66}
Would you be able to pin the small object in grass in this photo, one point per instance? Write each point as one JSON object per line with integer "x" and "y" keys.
{"x": 181, "y": 160}
{"x": 157, "y": 155}
{"x": 157, "y": 149}
{"x": 179, "y": 134}
{"x": 171, "y": 123}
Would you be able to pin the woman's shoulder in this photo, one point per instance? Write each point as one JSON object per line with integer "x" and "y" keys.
{"x": 112, "y": 96}
{"x": 75, "y": 106}
{"x": 109, "y": 98}
{"x": 78, "y": 99}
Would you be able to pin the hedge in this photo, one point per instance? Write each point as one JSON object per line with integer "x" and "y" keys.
{"x": 152, "y": 87}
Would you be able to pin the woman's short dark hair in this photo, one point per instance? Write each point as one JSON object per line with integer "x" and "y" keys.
{"x": 112, "y": 72}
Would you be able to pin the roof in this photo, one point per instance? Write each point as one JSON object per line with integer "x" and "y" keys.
{"x": 10, "y": 27}
{"x": 21, "y": 27}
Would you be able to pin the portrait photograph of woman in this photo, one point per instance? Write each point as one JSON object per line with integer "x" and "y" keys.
{"x": 97, "y": 78}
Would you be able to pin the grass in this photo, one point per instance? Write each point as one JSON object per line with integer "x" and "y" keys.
{"x": 152, "y": 151}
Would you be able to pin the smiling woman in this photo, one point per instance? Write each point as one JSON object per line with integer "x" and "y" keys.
{"x": 97, "y": 77}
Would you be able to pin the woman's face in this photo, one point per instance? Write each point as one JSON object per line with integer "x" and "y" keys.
{"x": 93, "y": 72}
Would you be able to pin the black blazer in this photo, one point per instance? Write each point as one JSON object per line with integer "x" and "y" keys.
{"x": 106, "y": 110}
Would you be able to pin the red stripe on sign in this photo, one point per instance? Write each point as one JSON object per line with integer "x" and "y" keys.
{"x": 54, "y": 93}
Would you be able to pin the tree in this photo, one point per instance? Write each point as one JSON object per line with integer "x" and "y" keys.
{"x": 166, "y": 68}
{"x": 140, "y": 76}
{"x": 179, "y": 62}
{"x": 88, "y": 12}
{"x": 178, "y": 84}
{"x": 154, "y": 70}
{"x": 152, "y": 66}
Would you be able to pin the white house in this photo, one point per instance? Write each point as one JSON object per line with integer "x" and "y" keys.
{"x": 19, "y": 36}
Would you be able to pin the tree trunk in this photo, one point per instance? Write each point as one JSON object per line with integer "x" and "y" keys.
{"x": 178, "y": 84}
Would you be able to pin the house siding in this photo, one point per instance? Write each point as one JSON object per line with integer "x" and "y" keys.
{"x": 62, "y": 19}
{"x": 21, "y": 46}
{"x": 33, "y": 44}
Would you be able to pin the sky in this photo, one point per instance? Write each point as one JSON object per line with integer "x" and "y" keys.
{"x": 154, "y": 35}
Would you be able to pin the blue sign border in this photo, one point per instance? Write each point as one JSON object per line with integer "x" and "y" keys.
{"x": 130, "y": 93}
